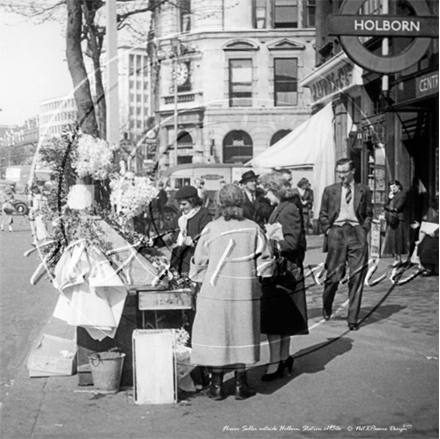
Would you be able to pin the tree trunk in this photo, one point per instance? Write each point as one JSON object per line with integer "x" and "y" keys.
{"x": 94, "y": 48}
{"x": 75, "y": 61}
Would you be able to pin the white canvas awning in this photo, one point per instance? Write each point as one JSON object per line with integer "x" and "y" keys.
{"x": 311, "y": 144}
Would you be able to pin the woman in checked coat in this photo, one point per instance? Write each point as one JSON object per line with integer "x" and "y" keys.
{"x": 231, "y": 254}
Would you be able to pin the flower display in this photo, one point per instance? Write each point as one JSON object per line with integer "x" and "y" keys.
{"x": 93, "y": 157}
{"x": 132, "y": 196}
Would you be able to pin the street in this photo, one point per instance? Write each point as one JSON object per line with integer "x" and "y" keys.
{"x": 380, "y": 381}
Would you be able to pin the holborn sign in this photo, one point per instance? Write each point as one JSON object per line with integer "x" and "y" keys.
{"x": 350, "y": 25}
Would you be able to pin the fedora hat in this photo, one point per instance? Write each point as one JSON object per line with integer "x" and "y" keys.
{"x": 248, "y": 175}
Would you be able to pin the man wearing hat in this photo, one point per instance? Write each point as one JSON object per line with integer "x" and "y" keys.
{"x": 251, "y": 194}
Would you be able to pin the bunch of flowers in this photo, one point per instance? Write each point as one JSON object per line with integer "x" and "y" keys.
{"x": 93, "y": 157}
{"x": 132, "y": 196}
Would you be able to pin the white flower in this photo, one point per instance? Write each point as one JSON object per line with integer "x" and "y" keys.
{"x": 94, "y": 157}
{"x": 132, "y": 197}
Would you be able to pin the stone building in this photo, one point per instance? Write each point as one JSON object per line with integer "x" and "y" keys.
{"x": 388, "y": 124}
{"x": 225, "y": 76}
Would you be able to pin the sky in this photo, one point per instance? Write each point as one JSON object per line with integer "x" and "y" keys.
{"x": 33, "y": 66}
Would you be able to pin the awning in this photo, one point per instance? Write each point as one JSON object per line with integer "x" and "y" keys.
{"x": 311, "y": 144}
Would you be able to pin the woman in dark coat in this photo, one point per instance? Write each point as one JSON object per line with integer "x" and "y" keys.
{"x": 283, "y": 306}
{"x": 396, "y": 242}
{"x": 191, "y": 222}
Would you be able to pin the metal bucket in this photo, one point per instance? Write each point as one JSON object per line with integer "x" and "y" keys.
{"x": 106, "y": 370}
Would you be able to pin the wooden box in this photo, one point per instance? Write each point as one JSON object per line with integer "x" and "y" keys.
{"x": 154, "y": 367}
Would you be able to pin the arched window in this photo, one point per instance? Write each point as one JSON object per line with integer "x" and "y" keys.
{"x": 184, "y": 141}
{"x": 237, "y": 147}
{"x": 278, "y": 136}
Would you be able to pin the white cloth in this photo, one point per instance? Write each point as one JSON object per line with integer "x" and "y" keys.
{"x": 183, "y": 223}
{"x": 92, "y": 294}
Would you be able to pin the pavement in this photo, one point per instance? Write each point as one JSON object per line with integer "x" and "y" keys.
{"x": 378, "y": 382}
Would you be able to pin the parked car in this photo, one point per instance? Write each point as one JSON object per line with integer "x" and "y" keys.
{"x": 21, "y": 202}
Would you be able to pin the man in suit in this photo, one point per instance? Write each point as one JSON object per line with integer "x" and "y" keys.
{"x": 248, "y": 183}
{"x": 345, "y": 217}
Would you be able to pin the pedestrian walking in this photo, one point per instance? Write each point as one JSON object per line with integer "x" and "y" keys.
{"x": 7, "y": 210}
{"x": 306, "y": 196}
{"x": 283, "y": 303}
{"x": 249, "y": 181}
{"x": 345, "y": 217}
{"x": 230, "y": 255}
{"x": 396, "y": 241}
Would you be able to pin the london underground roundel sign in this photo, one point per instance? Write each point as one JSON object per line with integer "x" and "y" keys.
{"x": 349, "y": 25}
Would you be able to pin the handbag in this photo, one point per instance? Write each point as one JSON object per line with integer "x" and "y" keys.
{"x": 391, "y": 217}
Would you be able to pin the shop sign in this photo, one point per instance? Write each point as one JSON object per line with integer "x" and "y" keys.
{"x": 427, "y": 85}
{"x": 350, "y": 25}
{"x": 213, "y": 177}
{"x": 333, "y": 82}
{"x": 386, "y": 26}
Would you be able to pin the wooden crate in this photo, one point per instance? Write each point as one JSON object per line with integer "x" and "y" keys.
{"x": 154, "y": 367}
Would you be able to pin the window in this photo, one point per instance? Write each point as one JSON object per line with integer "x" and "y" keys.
{"x": 286, "y": 82}
{"x": 260, "y": 14}
{"x": 184, "y": 140}
{"x": 237, "y": 147}
{"x": 278, "y": 136}
{"x": 185, "y": 15}
{"x": 180, "y": 182}
{"x": 310, "y": 17}
{"x": 285, "y": 14}
{"x": 240, "y": 83}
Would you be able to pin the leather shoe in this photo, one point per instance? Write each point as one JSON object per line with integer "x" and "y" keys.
{"x": 353, "y": 326}
{"x": 326, "y": 314}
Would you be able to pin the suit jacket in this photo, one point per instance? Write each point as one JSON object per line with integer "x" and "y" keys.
{"x": 249, "y": 207}
{"x": 331, "y": 205}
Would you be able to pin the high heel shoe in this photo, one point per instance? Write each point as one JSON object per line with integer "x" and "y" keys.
{"x": 274, "y": 375}
{"x": 285, "y": 364}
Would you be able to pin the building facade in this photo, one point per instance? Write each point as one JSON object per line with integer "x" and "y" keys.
{"x": 225, "y": 77}
{"x": 55, "y": 114}
{"x": 18, "y": 144}
{"x": 387, "y": 124}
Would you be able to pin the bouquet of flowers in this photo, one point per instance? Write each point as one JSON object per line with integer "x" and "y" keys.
{"x": 182, "y": 354}
{"x": 132, "y": 196}
{"x": 93, "y": 157}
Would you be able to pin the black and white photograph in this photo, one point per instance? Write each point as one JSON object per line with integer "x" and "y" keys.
{"x": 219, "y": 219}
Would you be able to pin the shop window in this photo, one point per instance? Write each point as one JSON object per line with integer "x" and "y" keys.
{"x": 237, "y": 147}
{"x": 286, "y": 82}
{"x": 278, "y": 136}
{"x": 240, "y": 82}
{"x": 285, "y": 14}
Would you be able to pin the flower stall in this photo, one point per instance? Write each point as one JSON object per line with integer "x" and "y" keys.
{"x": 111, "y": 280}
